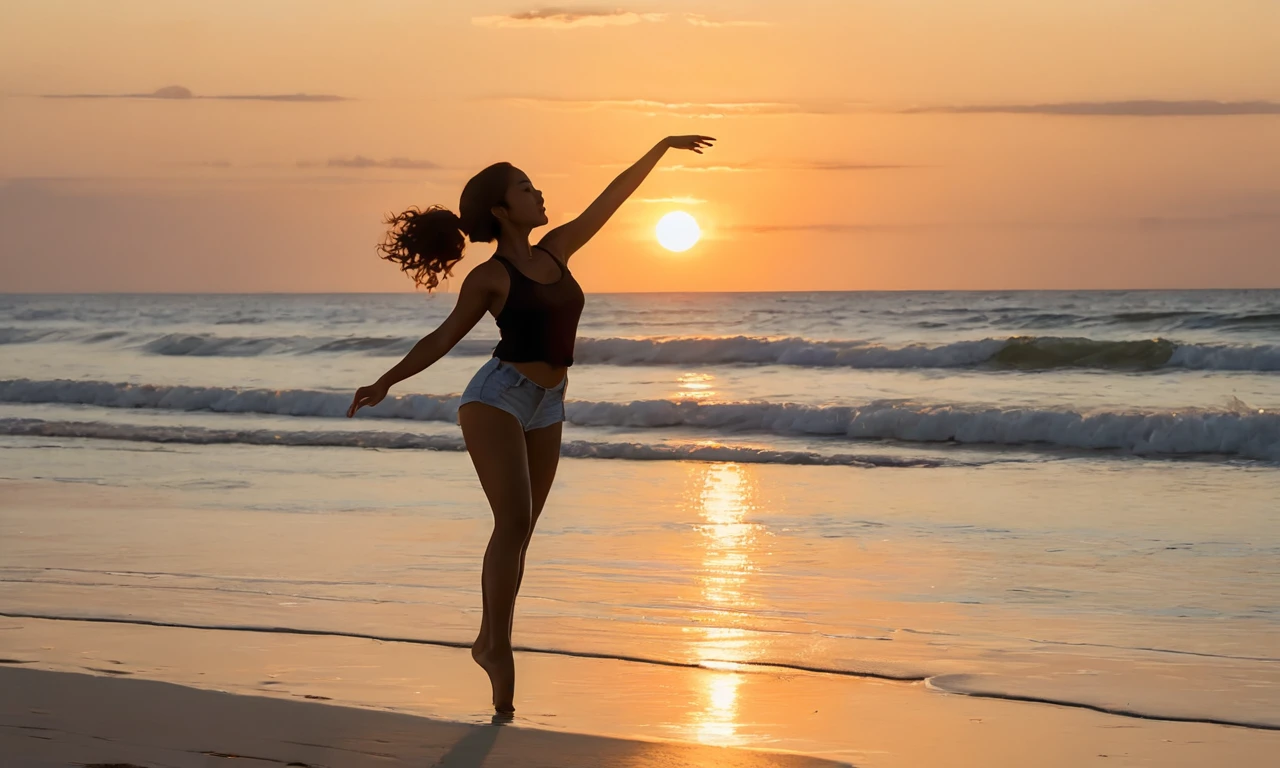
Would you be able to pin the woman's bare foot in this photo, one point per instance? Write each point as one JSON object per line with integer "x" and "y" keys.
{"x": 501, "y": 668}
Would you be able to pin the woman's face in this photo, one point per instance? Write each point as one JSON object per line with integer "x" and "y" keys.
{"x": 524, "y": 203}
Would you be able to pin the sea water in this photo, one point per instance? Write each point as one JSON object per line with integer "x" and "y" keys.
{"x": 1069, "y": 497}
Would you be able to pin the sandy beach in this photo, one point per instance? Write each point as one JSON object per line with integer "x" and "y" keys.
{"x": 764, "y": 384}
{"x": 308, "y": 646}
{"x": 81, "y": 697}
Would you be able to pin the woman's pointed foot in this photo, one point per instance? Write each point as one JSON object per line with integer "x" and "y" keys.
{"x": 500, "y": 665}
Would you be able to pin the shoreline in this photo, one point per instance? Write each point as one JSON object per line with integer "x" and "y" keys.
{"x": 595, "y": 711}
{"x": 932, "y": 682}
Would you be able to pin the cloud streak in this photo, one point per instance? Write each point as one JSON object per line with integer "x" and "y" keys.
{"x": 1171, "y": 223}
{"x": 681, "y": 168}
{"x": 774, "y": 165}
{"x": 180, "y": 93}
{"x": 727, "y": 109}
{"x": 671, "y": 200}
{"x": 580, "y": 18}
{"x": 567, "y": 18}
{"x": 715, "y": 109}
{"x": 698, "y": 20}
{"x": 1135, "y": 108}
{"x": 828, "y": 165}
{"x": 360, "y": 162}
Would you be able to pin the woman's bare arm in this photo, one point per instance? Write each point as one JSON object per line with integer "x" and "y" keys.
{"x": 474, "y": 299}
{"x": 570, "y": 236}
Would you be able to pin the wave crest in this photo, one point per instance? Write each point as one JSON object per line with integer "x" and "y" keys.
{"x": 578, "y": 449}
{"x": 1008, "y": 353}
{"x": 1236, "y": 431}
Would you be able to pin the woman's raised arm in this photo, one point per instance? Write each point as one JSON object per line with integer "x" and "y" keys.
{"x": 572, "y": 235}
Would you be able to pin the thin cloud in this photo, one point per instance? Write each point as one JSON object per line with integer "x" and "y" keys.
{"x": 672, "y": 200}
{"x": 816, "y": 165}
{"x": 180, "y": 93}
{"x": 1226, "y": 221}
{"x": 698, "y": 20}
{"x": 828, "y": 165}
{"x": 360, "y": 161}
{"x": 680, "y": 168}
{"x": 1136, "y": 108}
{"x": 205, "y": 164}
{"x": 654, "y": 108}
{"x": 773, "y": 165}
{"x": 567, "y": 18}
{"x": 768, "y": 228}
{"x": 76, "y": 184}
{"x": 1127, "y": 223}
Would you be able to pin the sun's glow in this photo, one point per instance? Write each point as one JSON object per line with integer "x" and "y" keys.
{"x": 678, "y": 231}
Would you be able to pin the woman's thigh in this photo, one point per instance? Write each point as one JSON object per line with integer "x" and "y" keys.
{"x": 496, "y": 444}
{"x": 543, "y": 448}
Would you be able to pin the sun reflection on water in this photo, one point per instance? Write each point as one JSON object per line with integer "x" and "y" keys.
{"x": 723, "y": 496}
{"x": 696, "y": 386}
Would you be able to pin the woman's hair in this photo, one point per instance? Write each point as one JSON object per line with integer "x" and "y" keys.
{"x": 427, "y": 243}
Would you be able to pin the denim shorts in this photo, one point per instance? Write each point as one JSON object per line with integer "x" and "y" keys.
{"x": 501, "y": 385}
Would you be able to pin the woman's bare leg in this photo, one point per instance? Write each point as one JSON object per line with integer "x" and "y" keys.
{"x": 543, "y": 449}
{"x": 496, "y": 444}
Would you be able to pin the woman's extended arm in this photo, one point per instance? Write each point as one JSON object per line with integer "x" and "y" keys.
{"x": 473, "y": 301}
{"x": 570, "y": 236}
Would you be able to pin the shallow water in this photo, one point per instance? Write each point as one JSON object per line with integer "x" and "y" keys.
{"x": 1094, "y": 529}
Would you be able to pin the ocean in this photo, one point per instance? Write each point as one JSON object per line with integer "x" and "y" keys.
{"x": 1056, "y": 497}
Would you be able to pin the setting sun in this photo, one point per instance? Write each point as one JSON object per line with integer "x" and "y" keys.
{"x": 678, "y": 231}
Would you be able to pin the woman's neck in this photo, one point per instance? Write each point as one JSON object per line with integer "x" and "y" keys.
{"x": 514, "y": 247}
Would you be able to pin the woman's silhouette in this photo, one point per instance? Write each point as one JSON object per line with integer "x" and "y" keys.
{"x": 511, "y": 411}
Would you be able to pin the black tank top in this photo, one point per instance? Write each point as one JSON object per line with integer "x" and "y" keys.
{"x": 539, "y": 320}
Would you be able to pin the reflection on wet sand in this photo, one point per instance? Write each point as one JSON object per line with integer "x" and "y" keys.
{"x": 723, "y": 496}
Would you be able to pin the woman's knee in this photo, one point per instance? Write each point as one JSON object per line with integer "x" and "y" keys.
{"x": 513, "y": 521}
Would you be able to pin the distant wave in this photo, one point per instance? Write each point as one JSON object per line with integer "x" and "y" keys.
{"x": 1179, "y": 312}
{"x": 1234, "y": 432}
{"x": 1187, "y": 320}
{"x": 578, "y": 449}
{"x": 1028, "y": 353}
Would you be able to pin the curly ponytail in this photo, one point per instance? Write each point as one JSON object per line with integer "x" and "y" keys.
{"x": 426, "y": 244}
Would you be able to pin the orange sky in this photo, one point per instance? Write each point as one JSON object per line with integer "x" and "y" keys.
{"x": 863, "y": 144}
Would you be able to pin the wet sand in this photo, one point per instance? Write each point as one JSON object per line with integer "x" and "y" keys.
{"x": 58, "y": 719}
{"x": 912, "y": 607}
{"x": 287, "y": 698}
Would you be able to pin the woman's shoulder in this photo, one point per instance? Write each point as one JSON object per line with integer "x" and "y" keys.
{"x": 490, "y": 273}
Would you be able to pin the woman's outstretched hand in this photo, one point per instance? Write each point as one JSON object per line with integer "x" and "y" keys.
{"x": 695, "y": 143}
{"x": 370, "y": 396}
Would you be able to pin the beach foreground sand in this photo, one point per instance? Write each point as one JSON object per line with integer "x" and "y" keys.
{"x": 280, "y": 694}
{"x": 60, "y": 719}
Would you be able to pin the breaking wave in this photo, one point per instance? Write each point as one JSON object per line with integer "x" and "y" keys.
{"x": 1010, "y": 353}
{"x": 1236, "y": 431}
{"x": 578, "y": 449}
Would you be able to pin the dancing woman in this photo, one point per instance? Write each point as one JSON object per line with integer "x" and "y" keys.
{"x": 511, "y": 411}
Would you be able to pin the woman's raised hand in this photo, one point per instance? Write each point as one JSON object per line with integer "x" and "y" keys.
{"x": 370, "y": 396}
{"x": 695, "y": 143}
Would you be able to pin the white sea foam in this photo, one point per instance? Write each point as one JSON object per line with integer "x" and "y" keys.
{"x": 1234, "y": 432}
{"x": 581, "y": 449}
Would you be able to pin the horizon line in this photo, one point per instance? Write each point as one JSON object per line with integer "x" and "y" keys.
{"x": 628, "y": 293}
